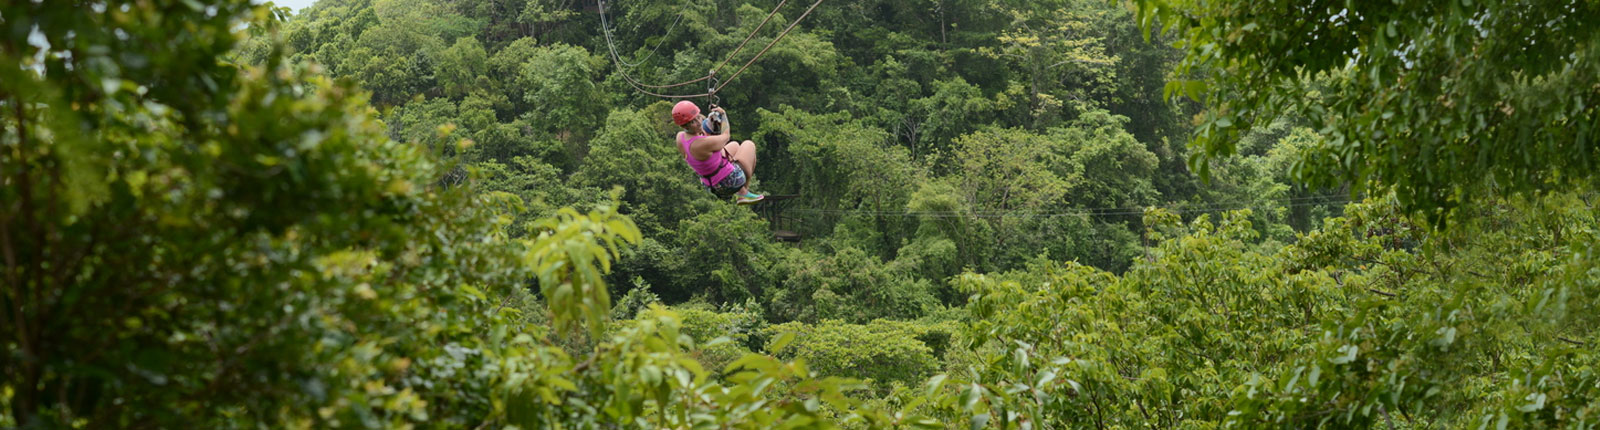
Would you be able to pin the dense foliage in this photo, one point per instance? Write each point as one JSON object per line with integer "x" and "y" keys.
{"x": 1444, "y": 101}
{"x": 1370, "y": 321}
{"x": 917, "y": 136}
{"x": 448, "y": 214}
{"x": 252, "y": 251}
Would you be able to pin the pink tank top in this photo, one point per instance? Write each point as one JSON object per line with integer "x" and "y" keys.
{"x": 711, "y": 170}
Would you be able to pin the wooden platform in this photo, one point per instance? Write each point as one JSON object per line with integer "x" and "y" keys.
{"x": 772, "y": 208}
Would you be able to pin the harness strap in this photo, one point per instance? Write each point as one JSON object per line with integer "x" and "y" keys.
{"x": 724, "y": 165}
{"x": 706, "y": 178}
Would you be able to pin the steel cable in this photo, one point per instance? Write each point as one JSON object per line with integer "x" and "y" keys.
{"x": 646, "y": 88}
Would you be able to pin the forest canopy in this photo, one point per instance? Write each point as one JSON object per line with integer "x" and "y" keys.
{"x": 1044, "y": 214}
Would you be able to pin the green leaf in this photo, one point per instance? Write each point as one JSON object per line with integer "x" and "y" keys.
{"x": 978, "y": 421}
{"x": 782, "y": 341}
{"x": 1045, "y": 377}
{"x": 1195, "y": 89}
{"x": 935, "y": 383}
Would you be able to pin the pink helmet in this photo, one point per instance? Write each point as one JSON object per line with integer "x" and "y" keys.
{"x": 684, "y": 111}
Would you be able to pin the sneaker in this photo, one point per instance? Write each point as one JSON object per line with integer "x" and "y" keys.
{"x": 748, "y": 198}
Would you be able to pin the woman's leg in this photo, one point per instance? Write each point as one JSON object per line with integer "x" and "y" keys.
{"x": 744, "y": 154}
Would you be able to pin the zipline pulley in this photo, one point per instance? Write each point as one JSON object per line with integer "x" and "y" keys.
{"x": 711, "y": 91}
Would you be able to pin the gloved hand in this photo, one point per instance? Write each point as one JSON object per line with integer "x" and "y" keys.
{"x": 714, "y": 122}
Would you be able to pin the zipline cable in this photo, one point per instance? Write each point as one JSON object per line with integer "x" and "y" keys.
{"x": 769, "y": 46}
{"x": 642, "y": 87}
{"x": 1214, "y": 206}
{"x": 958, "y": 214}
{"x": 605, "y": 27}
{"x": 1102, "y": 212}
{"x": 1090, "y": 212}
{"x": 612, "y": 45}
{"x": 663, "y": 41}
{"x": 747, "y": 38}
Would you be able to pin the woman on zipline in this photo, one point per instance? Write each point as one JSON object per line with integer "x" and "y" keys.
{"x": 725, "y": 167}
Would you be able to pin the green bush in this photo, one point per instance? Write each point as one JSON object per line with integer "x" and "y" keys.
{"x": 734, "y": 328}
{"x": 881, "y": 352}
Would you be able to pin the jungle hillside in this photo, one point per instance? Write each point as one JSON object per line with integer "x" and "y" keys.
{"x": 984, "y": 214}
